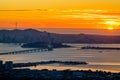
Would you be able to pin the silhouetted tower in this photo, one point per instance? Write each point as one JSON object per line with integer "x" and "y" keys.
{"x": 50, "y": 46}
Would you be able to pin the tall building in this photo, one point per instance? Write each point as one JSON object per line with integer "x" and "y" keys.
{"x": 8, "y": 65}
{"x": 1, "y": 64}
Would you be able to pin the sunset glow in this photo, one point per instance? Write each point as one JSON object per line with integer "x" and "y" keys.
{"x": 94, "y": 14}
{"x": 60, "y": 39}
{"x": 112, "y": 23}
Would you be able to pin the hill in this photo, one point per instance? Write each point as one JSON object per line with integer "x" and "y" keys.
{"x": 31, "y": 35}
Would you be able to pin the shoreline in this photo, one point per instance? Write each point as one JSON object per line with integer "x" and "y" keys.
{"x": 57, "y": 67}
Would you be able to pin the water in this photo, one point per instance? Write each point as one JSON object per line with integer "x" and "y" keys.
{"x": 108, "y": 60}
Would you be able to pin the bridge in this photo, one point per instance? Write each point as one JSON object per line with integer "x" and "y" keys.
{"x": 27, "y": 51}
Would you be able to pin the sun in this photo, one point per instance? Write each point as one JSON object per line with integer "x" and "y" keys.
{"x": 110, "y": 28}
{"x": 111, "y": 25}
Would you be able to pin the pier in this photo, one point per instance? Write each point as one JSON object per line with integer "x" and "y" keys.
{"x": 27, "y": 51}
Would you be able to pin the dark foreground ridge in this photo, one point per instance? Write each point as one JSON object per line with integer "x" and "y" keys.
{"x": 26, "y": 74}
{"x": 7, "y": 72}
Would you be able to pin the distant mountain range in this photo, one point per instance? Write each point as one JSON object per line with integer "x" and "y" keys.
{"x": 31, "y": 35}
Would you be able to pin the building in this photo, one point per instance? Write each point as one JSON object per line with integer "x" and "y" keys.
{"x": 8, "y": 65}
{"x": 1, "y": 64}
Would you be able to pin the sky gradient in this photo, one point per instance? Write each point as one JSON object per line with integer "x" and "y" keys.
{"x": 59, "y": 4}
{"x": 87, "y": 14}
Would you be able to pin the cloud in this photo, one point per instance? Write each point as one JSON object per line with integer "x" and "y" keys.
{"x": 17, "y": 10}
{"x": 28, "y": 10}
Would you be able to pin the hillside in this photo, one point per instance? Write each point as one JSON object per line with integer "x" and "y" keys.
{"x": 31, "y": 35}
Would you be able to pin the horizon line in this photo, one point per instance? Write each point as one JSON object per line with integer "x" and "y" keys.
{"x": 56, "y": 28}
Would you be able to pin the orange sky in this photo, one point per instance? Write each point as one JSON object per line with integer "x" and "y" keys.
{"x": 100, "y": 14}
